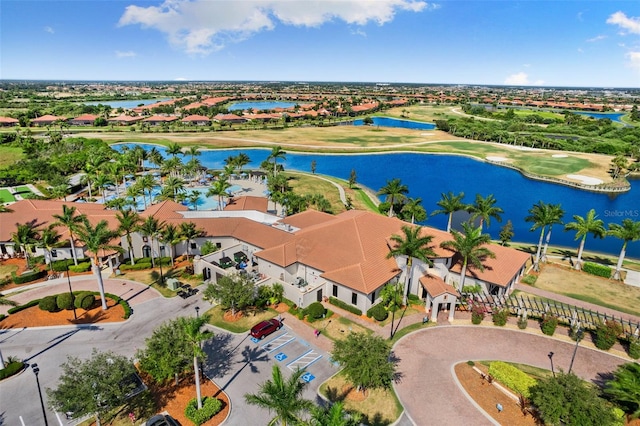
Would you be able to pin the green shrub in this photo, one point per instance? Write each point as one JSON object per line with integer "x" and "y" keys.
{"x": 606, "y": 334}
{"x": 120, "y": 301}
{"x": 48, "y": 303}
{"x": 529, "y": 279}
{"x": 522, "y": 323}
{"x": 80, "y": 267}
{"x": 378, "y": 312}
{"x": 61, "y": 265}
{"x": 339, "y": 303}
{"x": 413, "y": 298}
{"x": 84, "y": 300}
{"x": 596, "y": 269}
{"x": 136, "y": 267}
{"x": 477, "y": 314}
{"x": 500, "y": 317}
{"x": 23, "y": 307}
{"x": 634, "y": 348}
{"x": 511, "y": 377}
{"x": 315, "y": 310}
{"x": 576, "y": 333}
{"x": 11, "y": 369}
{"x": 29, "y": 277}
{"x": 549, "y": 324}
{"x": 2, "y": 316}
{"x": 210, "y": 407}
{"x": 472, "y": 289}
{"x": 64, "y": 301}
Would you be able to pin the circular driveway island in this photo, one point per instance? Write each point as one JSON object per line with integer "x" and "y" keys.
{"x": 428, "y": 390}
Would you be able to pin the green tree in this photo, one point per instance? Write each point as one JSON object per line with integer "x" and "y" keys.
{"x": 189, "y": 232}
{"x": 556, "y": 214}
{"x": 449, "y": 204}
{"x": 413, "y": 244}
{"x": 49, "y": 239}
{"x": 469, "y": 244}
{"x": 334, "y": 415}
{"x": 71, "y": 221}
{"x": 94, "y": 386}
{"x": 485, "y": 209}
{"x": 219, "y": 190}
{"x": 24, "y": 238}
{"x": 590, "y": 224}
{"x": 193, "y": 198}
{"x": 234, "y": 292}
{"x": 277, "y": 153}
{"x": 624, "y": 388}
{"x": 413, "y": 210}
{"x": 175, "y": 185}
{"x": 170, "y": 235}
{"x": 313, "y": 166}
{"x": 282, "y": 396}
{"x": 194, "y": 335}
{"x": 128, "y": 222}
{"x": 506, "y": 233}
{"x": 353, "y": 177}
{"x": 565, "y": 399}
{"x": 174, "y": 149}
{"x": 543, "y": 215}
{"x": 366, "y": 361}
{"x": 629, "y": 231}
{"x": 151, "y": 228}
{"x": 98, "y": 239}
{"x": 395, "y": 192}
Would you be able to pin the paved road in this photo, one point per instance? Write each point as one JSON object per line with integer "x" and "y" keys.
{"x": 429, "y": 391}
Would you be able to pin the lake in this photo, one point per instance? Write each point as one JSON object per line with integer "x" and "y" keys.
{"x": 394, "y": 122}
{"x": 613, "y": 116}
{"x": 428, "y": 175}
{"x": 260, "y": 105}
{"x": 127, "y": 104}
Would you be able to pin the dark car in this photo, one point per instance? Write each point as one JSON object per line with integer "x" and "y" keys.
{"x": 162, "y": 420}
{"x": 265, "y": 328}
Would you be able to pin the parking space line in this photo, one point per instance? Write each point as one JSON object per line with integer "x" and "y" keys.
{"x": 278, "y": 342}
{"x": 304, "y": 360}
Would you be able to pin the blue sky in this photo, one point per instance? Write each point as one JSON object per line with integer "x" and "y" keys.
{"x": 545, "y": 42}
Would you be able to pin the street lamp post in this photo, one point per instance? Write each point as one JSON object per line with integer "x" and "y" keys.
{"x": 36, "y": 370}
{"x": 550, "y": 355}
{"x": 161, "y": 250}
{"x": 575, "y": 349}
{"x": 75, "y": 316}
{"x": 197, "y": 311}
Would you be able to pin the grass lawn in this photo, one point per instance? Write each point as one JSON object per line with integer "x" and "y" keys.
{"x": 410, "y": 328}
{"x": 9, "y": 155}
{"x": 6, "y": 196}
{"x": 307, "y": 184}
{"x": 241, "y": 325}
{"x": 23, "y": 189}
{"x": 380, "y": 407}
{"x": 551, "y": 166}
{"x": 337, "y": 328}
{"x": 544, "y": 114}
{"x": 589, "y": 288}
{"x": 147, "y": 276}
{"x": 7, "y": 270}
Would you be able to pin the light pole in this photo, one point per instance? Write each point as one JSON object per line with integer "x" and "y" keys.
{"x": 198, "y": 312}
{"x": 550, "y": 355}
{"x": 75, "y": 316}
{"x": 36, "y": 370}
{"x": 575, "y": 349}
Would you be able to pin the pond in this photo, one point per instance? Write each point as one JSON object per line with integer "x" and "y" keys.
{"x": 613, "y": 116}
{"x": 428, "y": 176}
{"x": 394, "y": 122}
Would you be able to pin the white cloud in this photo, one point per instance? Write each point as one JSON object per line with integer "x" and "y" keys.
{"x": 127, "y": 54}
{"x": 49, "y": 30}
{"x": 181, "y": 79}
{"x": 203, "y": 26}
{"x": 634, "y": 60}
{"x": 580, "y": 50}
{"x": 596, "y": 38}
{"x": 358, "y": 32}
{"x": 630, "y": 24}
{"x": 518, "y": 79}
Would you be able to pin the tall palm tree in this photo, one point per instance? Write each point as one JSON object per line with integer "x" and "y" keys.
{"x": 469, "y": 244}
{"x": 97, "y": 238}
{"x": 219, "y": 190}
{"x": 242, "y": 160}
{"x": 193, "y": 197}
{"x": 171, "y": 236}
{"x": 629, "y": 231}
{"x": 147, "y": 183}
{"x": 335, "y": 415}
{"x": 395, "y": 192}
{"x": 175, "y": 185}
{"x": 172, "y": 166}
{"x": 139, "y": 155}
{"x": 24, "y": 238}
{"x": 413, "y": 209}
{"x": 414, "y": 245}
{"x": 449, "y": 204}
{"x": 133, "y": 192}
{"x": 556, "y": 214}
{"x": 49, "y": 239}
{"x": 485, "y": 209}
{"x": 71, "y": 221}
{"x": 590, "y": 224}
{"x": 102, "y": 182}
{"x": 282, "y": 396}
{"x": 151, "y": 228}
{"x": 277, "y": 153}
{"x": 155, "y": 157}
{"x": 189, "y": 232}
{"x": 195, "y": 335}
{"x": 174, "y": 149}
{"x": 128, "y": 222}
{"x": 193, "y": 151}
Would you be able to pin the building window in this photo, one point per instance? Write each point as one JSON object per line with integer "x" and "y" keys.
{"x": 194, "y": 246}
{"x": 219, "y": 245}
{"x": 335, "y": 291}
{"x": 354, "y": 298}
{"x": 145, "y": 239}
{"x": 54, "y": 253}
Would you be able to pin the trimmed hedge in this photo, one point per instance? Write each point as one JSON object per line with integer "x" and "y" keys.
{"x": 210, "y": 407}
{"x": 84, "y": 300}
{"x": 340, "y": 304}
{"x": 378, "y": 312}
{"x": 166, "y": 260}
{"x": 511, "y": 377}
{"x": 634, "y": 348}
{"x": 136, "y": 267}
{"x": 64, "y": 301}
{"x": 80, "y": 267}
{"x": 315, "y": 310}
{"x": 61, "y": 265}
{"x": 23, "y": 307}
{"x": 30, "y": 276}
{"x": 597, "y": 269}
{"x": 11, "y": 369}
{"x": 529, "y": 279}
{"x": 49, "y": 304}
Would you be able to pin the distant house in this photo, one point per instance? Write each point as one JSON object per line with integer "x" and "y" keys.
{"x": 47, "y": 120}
{"x": 8, "y": 122}
{"x": 157, "y": 120}
{"x": 124, "y": 120}
{"x": 229, "y": 118}
{"x": 84, "y": 120}
{"x": 197, "y": 120}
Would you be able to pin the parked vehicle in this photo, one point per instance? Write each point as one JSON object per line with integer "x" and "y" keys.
{"x": 162, "y": 420}
{"x": 265, "y": 328}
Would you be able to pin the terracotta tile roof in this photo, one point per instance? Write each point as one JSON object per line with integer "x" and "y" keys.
{"x": 48, "y": 119}
{"x": 215, "y": 101}
{"x": 195, "y": 105}
{"x": 126, "y": 118}
{"x": 9, "y": 120}
{"x": 248, "y": 203}
{"x": 229, "y": 117}
{"x": 161, "y": 118}
{"x": 165, "y": 210}
{"x": 501, "y": 270}
{"x": 435, "y": 286}
{"x": 84, "y": 117}
{"x": 196, "y": 118}
{"x": 307, "y": 218}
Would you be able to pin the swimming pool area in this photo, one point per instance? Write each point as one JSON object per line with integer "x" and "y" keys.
{"x": 209, "y": 203}
{"x": 394, "y": 122}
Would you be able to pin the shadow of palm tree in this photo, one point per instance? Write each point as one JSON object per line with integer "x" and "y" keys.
{"x": 249, "y": 357}
{"x": 219, "y": 355}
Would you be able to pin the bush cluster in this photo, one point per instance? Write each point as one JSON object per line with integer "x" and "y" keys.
{"x": 477, "y": 313}
{"x": 84, "y": 300}
{"x": 597, "y": 269}
{"x": 29, "y": 277}
{"x": 210, "y": 407}
{"x": 634, "y": 348}
{"x": 500, "y": 317}
{"x": 49, "y": 304}
{"x": 11, "y": 369}
{"x": 23, "y": 307}
{"x": 549, "y": 324}
{"x": 512, "y": 377}
{"x": 61, "y": 265}
{"x": 315, "y": 310}
{"x": 529, "y": 279}
{"x": 80, "y": 267}
{"x": 378, "y": 312}
{"x": 339, "y": 303}
{"x": 606, "y": 334}
{"x": 64, "y": 301}
{"x": 522, "y": 323}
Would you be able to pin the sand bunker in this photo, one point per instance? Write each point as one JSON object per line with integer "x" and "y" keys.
{"x": 559, "y": 155}
{"x": 493, "y": 158}
{"x": 586, "y": 179}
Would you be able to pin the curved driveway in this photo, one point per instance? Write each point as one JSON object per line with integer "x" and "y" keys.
{"x": 428, "y": 390}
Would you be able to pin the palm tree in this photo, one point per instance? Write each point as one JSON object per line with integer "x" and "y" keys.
{"x": 134, "y": 191}
{"x": 413, "y": 209}
{"x": 543, "y": 215}
{"x": 175, "y": 185}
{"x": 97, "y": 238}
{"x": 138, "y": 155}
{"x": 170, "y": 235}
{"x": 147, "y": 183}
{"x": 412, "y": 245}
{"x": 556, "y": 213}
{"x": 172, "y": 166}
{"x": 629, "y": 231}
{"x": 624, "y": 388}
{"x": 193, "y": 151}
{"x": 24, "y": 238}
{"x": 151, "y": 228}
{"x": 69, "y": 220}
{"x": 469, "y": 245}
{"x": 282, "y": 396}
{"x": 335, "y": 415}
{"x": 102, "y": 181}
{"x": 219, "y": 189}
{"x": 395, "y": 192}
{"x": 128, "y": 221}
{"x": 276, "y": 154}
{"x": 193, "y": 332}
{"x": 449, "y": 204}
{"x": 49, "y": 239}
{"x": 155, "y": 157}
{"x": 484, "y": 209}
{"x": 193, "y": 198}
{"x": 174, "y": 149}
{"x": 583, "y": 227}
{"x": 189, "y": 232}
{"x": 242, "y": 160}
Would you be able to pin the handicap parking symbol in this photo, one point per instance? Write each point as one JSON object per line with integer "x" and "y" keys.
{"x": 307, "y": 377}
{"x": 281, "y": 356}
{"x": 254, "y": 340}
